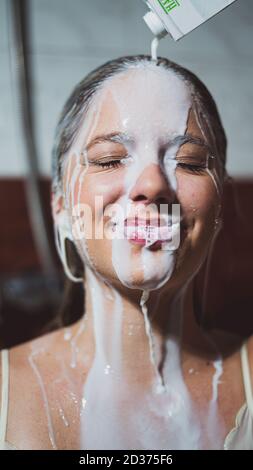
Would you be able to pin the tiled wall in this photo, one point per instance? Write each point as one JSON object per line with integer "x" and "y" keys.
{"x": 70, "y": 37}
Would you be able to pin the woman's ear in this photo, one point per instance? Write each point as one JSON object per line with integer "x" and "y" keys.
{"x": 64, "y": 240}
{"x": 57, "y": 205}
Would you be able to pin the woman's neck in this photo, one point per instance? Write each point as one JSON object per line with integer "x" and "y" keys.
{"x": 139, "y": 337}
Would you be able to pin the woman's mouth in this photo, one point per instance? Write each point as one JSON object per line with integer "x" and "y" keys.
{"x": 149, "y": 233}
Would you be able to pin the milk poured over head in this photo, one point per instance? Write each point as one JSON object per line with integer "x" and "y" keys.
{"x": 150, "y": 107}
{"x": 153, "y": 107}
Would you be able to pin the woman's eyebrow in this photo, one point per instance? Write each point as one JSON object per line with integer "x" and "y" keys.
{"x": 188, "y": 139}
{"x": 118, "y": 137}
{"x": 123, "y": 138}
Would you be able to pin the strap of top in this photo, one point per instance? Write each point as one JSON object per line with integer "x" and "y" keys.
{"x": 4, "y": 395}
{"x": 247, "y": 378}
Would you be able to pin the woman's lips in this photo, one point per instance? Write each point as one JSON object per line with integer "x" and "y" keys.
{"x": 147, "y": 232}
{"x": 165, "y": 233}
{"x": 137, "y": 221}
{"x": 154, "y": 245}
{"x": 156, "y": 233}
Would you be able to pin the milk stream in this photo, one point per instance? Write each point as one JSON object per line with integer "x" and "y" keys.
{"x": 51, "y": 433}
{"x": 154, "y": 47}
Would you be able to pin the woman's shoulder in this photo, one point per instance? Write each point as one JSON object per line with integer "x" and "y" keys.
{"x": 27, "y": 366}
{"x": 41, "y": 349}
{"x": 18, "y": 363}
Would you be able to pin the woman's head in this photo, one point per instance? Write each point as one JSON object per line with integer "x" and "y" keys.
{"x": 142, "y": 139}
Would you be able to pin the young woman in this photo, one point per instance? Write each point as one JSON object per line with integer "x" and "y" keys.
{"x": 138, "y": 173}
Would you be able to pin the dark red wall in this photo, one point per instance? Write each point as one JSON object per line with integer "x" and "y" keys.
{"x": 230, "y": 284}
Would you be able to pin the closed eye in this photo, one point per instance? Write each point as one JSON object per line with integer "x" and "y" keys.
{"x": 192, "y": 167}
{"x": 113, "y": 163}
{"x": 108, "y": 164}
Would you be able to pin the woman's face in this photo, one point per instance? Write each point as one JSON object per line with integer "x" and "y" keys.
{"x": 141, "y": 146}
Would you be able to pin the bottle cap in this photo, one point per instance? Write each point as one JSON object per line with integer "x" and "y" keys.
{"x": 155, "y": 24}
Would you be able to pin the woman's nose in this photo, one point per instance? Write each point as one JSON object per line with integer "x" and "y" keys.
{"x": 152, "y": 186}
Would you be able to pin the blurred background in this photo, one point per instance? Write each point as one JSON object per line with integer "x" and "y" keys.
{"x": 62, "y": 41}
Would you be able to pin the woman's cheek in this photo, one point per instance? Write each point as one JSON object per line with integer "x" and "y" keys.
{"x": 109, "y": 188}
{"x": 97, "y": 194}
{"x": 197, "y": 197}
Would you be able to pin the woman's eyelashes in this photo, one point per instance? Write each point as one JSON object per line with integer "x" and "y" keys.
{"x": 191, "y": 168}
{"x": 191, "y": 164}
{"x": 110, "y": 162}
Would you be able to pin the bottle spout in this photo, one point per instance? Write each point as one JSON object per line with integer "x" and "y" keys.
{"x": 155, "y": 24}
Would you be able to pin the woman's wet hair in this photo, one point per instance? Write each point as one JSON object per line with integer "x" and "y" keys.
{"x": 73, "y": 115}
{"x": 80, "y": 100}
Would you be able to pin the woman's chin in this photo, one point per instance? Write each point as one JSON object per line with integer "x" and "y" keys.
{"x": 149, "y": 283}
